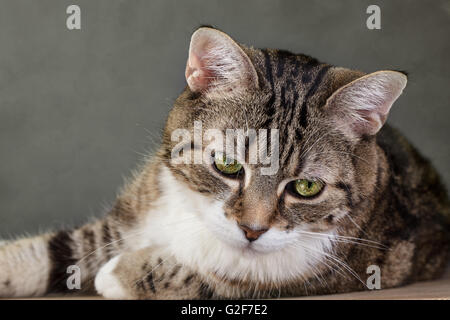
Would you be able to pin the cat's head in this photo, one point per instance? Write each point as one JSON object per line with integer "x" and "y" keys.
{"x": 325, "y": 120}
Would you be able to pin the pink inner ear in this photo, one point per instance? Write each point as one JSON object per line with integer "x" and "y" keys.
{"x": 198, "y": 76}
{"x": 215, "y": 60}
{"x": 365, "y": 103}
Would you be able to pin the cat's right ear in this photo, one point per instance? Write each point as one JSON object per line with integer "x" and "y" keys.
{"x": 362, "y": 106}
{"x": 217, "y": 64}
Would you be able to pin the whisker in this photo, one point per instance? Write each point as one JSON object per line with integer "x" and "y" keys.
{"x": 347, "y": 241}
{"x": 196, "y": 232}
{"x": 110, "y": 243}
{"x": 339, "y": 270}
{"x": 311, "y": 251}
{"x": 338, "y": 261}
{"x": 356, "y": 225}
{"x": 344, "y": 237}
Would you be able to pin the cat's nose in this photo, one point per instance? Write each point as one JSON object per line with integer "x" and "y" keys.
{"x": 252, "y": 234}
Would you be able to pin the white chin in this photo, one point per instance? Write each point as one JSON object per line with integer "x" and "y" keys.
{"x": 258, "y": 249}
{"x": 251, "y": 248}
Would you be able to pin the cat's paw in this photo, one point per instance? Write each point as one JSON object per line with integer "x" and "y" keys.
{"x": 108, "y": 284}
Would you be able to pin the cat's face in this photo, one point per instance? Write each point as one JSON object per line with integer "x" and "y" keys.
{"x": 321, "y": 121}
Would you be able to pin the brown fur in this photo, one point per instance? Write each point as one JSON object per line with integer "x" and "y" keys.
{"x": 393, "y": 195}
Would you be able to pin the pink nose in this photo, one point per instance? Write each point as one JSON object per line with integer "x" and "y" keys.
{"x": 252, "y": 234}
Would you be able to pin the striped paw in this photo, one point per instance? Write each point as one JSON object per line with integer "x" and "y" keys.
{"x": 108, "y": 284}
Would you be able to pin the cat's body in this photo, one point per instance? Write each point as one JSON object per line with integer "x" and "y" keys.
{"x": 189, "y": 231}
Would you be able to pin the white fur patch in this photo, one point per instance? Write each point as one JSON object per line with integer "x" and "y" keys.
{"x": 107, "y": 284}
{"x": 195, "y": 230}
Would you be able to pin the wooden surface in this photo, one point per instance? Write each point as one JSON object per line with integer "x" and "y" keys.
{"x": 429, "y": 290}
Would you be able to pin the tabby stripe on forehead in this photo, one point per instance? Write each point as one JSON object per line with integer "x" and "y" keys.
{"x": 270, "y": 108}
{"x": 290, "y": 84}
{"x": 298, "y": 134}
{"x": 60, "y": 256}
{"x": 309, "y": 94}
{"x": 296, "y": 68}
{"x": 293, "y": 108}
{"x": 289, "y": 154}
{"x": 268, "y": 67}
{"x": 285, "y": 135}
{"x": 307, "y": 69}
{"x": 280, "y": 66}
{"x": 247, "y": 149}
{"x": 288, "y": 112}
{"x": 270, "y": 103}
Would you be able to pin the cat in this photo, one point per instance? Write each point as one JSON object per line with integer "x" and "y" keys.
{"x": 350, "y": 193}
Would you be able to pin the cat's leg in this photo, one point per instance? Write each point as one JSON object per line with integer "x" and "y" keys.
{"x": 54, "y": 262}
{"x": 150, "y": 273}
{"x": 24, "y": 267}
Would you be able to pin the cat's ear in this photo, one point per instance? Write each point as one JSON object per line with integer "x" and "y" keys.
{"x": 364, "y": 103}
{"x": 217, "y": 63}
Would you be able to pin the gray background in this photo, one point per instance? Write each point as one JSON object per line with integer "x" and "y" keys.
{"x": 78, "y": 108}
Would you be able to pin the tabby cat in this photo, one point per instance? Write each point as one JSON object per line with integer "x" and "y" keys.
{"x": 349, "y": 193}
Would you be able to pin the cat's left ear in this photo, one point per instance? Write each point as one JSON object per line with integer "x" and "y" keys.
{"x": 217, "y": 64}
{"x": 363, "y": 105}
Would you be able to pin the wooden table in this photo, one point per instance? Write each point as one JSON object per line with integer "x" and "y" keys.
{"x": 428, "y": 290}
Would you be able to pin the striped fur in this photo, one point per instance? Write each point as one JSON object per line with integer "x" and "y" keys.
{"x": 173, "y": 231}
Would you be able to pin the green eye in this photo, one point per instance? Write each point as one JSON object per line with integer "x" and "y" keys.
{"x": 226, "y": 165}
{"x": 307, "y": 188}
